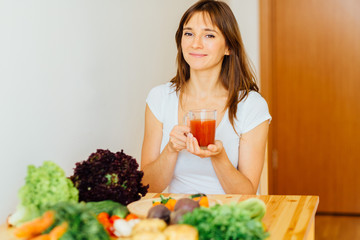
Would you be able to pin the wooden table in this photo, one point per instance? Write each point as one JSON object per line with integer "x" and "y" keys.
{"x": 287, "y": 217}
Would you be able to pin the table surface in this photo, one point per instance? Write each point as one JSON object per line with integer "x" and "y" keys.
{"x": 287, "y": 216}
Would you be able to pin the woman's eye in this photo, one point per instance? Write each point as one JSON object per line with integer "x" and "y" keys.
{"x": 188, "y": 34}
{"x": 210, "y": 36}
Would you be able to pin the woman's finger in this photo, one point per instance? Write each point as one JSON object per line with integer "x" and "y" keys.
{"x": 197, "y": 149}
{"x": 180, "y": 132}
{"x": 177, "y": 143}
{"x": 183, "y": 130}
{"x": 212, "y": 148}
{"x": 204, "y": 153}
{"x": 190, "y": 143}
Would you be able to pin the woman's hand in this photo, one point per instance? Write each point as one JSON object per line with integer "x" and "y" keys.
{"x": 212, "y": 150}
{"x": 177, "y": 140}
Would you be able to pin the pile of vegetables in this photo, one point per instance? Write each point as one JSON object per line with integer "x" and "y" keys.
{"x": 44, "y": 186}
{"x": 105, "y": 183}
{"x": 49, "y": 205}
{"x": 109, "y": 176}
{"x": 219, "y": 222}
{"x": 69, "y": 221}
{"x": 229, "y": 221}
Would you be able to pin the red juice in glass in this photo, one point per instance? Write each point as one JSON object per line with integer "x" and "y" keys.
{"x": 202, "y": 125}
{"x": 203, "y": 130}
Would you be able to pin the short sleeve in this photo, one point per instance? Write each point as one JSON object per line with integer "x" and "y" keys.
{"x": 254, "y": 111}
{"x": 155, "y": 101}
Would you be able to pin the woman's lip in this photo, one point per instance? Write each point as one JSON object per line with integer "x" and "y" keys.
{"x": 198, "y": 54}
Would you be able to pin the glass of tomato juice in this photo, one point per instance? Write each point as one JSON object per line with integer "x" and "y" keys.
{"x": 202, "y": 126}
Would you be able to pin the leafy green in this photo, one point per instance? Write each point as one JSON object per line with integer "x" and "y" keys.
{"x": 230, "y": 221}
{"x": 197, "y": 195}
{"x": 44, "y": 186}
{"x": 82, "y": 221}
{"x": 109, "y": 206}
{"x": 164, "y": 200}
{"x": 254, "y": 206}
{"x": 109, "y": 176}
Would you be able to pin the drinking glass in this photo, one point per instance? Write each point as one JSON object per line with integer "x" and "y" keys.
{"x": 202, "y": 125}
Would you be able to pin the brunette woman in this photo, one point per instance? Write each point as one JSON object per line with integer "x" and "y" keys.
{"x": 213, "y": 73}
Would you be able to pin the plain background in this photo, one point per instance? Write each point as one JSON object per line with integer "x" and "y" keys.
{"x": 74, "y": 76}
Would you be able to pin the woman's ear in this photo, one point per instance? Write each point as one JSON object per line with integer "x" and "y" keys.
{"x": 227, "y": 52}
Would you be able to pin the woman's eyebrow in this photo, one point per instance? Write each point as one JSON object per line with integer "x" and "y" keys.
{"x": 205, "y": 29}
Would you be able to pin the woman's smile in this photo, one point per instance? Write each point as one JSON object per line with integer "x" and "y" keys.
{"x": 198, "y": 55}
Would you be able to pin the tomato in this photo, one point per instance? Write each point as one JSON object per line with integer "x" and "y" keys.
{"x": 131, "y": 216}
{"x": 108, "y": 222}
{"x": 113, "y": 218}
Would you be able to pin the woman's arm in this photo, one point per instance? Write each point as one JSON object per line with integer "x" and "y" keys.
{"x": 159, "y": 168}
{"x": 245, "y": 179}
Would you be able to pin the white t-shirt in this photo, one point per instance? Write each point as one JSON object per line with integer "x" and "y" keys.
{"x": 194, "y": 174}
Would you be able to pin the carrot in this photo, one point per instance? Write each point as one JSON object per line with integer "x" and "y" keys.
{"x": 104, "y": 219}
{"x": 54, "y": 234}
{"x": 203, "y": 201}
{"x": 156, "y": 203}
{"x": 58, "y": 231}
{"x": 170, "y": 204}
{"x": 36, "y": 226}
{"x": 41, "y": 237}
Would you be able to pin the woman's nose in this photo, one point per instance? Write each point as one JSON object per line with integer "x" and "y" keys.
{"x": 197, "y": 42}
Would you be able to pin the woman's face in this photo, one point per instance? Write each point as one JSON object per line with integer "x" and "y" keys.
{"x": 203, "y": 44}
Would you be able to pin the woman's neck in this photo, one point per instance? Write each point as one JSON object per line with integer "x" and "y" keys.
{"x": 203, "y": 84}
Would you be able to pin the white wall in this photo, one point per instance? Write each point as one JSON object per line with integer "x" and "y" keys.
{"x": 74, "y": 76}
{"x": 247, "y": 15}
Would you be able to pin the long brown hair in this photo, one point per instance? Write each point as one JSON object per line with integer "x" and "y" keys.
{"x": 236, "y": 74}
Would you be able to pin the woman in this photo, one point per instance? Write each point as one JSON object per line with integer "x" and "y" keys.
{"x": 213, "y": 73}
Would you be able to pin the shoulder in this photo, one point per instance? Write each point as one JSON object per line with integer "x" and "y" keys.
{"x": 162, "y": 90}
{"x": 159, "y": 97}
{"x": 252, "y": 110}
{"x": 253, "y": 98}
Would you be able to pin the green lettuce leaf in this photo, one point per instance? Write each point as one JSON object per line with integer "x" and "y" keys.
{"x": 44, "y": 186}
{"x": 232, "y": 221}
